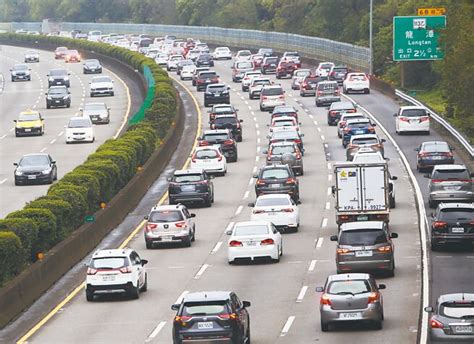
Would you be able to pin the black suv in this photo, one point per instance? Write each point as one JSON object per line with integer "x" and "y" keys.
{"x": 211, "y": 316}
{"x": 337, "y": 108}
{"x": 277, "y": 179}
{"x": 222, "y": 137}
{"x": 452, "y": 223}
{"x": 58, "y": 77}
{"x": 269, "y": 65}
{"x": 230, "y": 122}
{"x": 191, "y": 186}
{"x": 58, "y": 96}
{"x": 205, "y": 78}
{"x": 216, "y": 94}
{"x": 205, "y": 60}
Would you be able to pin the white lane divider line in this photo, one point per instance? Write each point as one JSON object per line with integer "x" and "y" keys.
{"x": 302, "y": 293}
{"x": 246, "y": 102}
{"x": 324, "y": 223}
{"x": 255, "y": 119}
{"x": 319, "y": 129}
{"x": 323, "y": 138}
{"x": 52, "y": 141}
{"x": 3, "y": 136}
{"x": 61, "y": 133}
{"x": 328, "y": 205}
{"x": 258, "y": 149}
{"x": 239, "y": 210}
{"x": 315, "y": 122}
{"x": 3, "y": 181}
{"x": 11, "y": 129}
{"x": 255, "y": 168}
{"x": 326, "y": 145}
{"x": 181, "y": 297}
{"x": 42, "y": 150}
{"x": 229, "y": 226}
{"x": 257, "y": 158}
{"x": 287, "y": 326}
{"x": 319, "y": 243}
{"x": 312, "y": 265}
{"x": 290, "y": 95}
{"x": 311, "y": 116}
{"x": 253, "y": 113}
{"x": 329, "y": 165}
{"x": 216, "y": 248}
{"x": 329, "y": 177}
{"x": 250, "y": 107}
{"x": 155, "y": 332}
{"x": 201, "y": 271}
{"x": 246, "y": 194}
{"x": 258, "y": 140}
{"x": 251, "y": 181}
{"x": 329, "y": 191}
{"x": 258, "y": 132}
{"x": 256, "y": 125}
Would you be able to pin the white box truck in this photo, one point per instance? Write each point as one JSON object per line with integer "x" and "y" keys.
{"x": 362, "y": 192}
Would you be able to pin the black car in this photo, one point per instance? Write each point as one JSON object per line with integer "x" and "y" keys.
{"x": 216, "y": 94}
{"x": 277, "y": 179}
{"x": 452, "y": 223}
{"x": 58, "y": 77}
{"x": 191, "y": 186}
{"x": 217, "y": 316}
{"x": 336, "y": 108}
{"x": 35, "y": 168}
{"x": 338, "y": 73}
{"x": 92, "y": 66}
{"x": 230, "y": 122}
{"x": 20, "y": 72}
{"x": 222, "y": 137}
{"x": 58, "y": 96}
{"x": 205, "y": 60}
{"x": 269, "y": 65}
{"x": 433, "y": 153}
{"x": 205, "y": 78}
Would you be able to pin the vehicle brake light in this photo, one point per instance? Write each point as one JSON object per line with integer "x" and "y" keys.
{"x": 235, "y": 243}
{"x": 91, "y": 271}
{"x": 342, "y": 250}
{"x": 448, "y": 154}
{"x": 260, "y": 182}
{"x": 228, "y": 316}
{"x": 281, "y": 96}
{"x": 297, "y": 141}
{"x": 404, "y": 119}
{"x": 180, "y": 224}
{"x": 325, "y": 300}
{"x": 319, "y": 93}
{"x": 336, "y": 92}
{"x": 346, "y": 130}
{"x": 213, "y": 126}
{"x": 298, "y": 156}
{"x": 342, "y": 123}
{"x": 126, "y": 270}
{"x": 385, "y": 249}
{"x": 333, "y": 113}
{"x": 288, "y": 210}
{"x": 229, "y": 142}
{"x": 219, "y": 158}
{"x": 203, "y": 143}
{"x": 435, "y": 323}
{"x": 371, "y": 129}
{"x": 424, "y": 119}
{"x": 291, "y": 181}
{"x": 258, "y": 211}
{"x": 268, "y": 241}
{"x": 439, "y": 224}
{"x": 193, "y": 159}
{"x": 150, "y": 227}
{"x": 183, "y": 319}
{"x": 373, "y": 297}
{"x": 264, "y": 97}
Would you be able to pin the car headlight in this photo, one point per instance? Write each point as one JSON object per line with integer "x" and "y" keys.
{"x": 103, "y": 115}
{"x": 65, "y": 97}
{"x": 18, "y": 173}
{"x": 51, "y": 79}
{"x": 48, "y": 97}
{"x": 47, "y": 171}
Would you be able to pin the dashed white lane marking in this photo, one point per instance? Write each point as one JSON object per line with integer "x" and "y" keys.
{"x": 319, "y": 129}
{"x": 302, "y": 293}
{"x": 256, "y": 125}
{"x": 52, "y": 141}
{"x": 255, "y": 119}
{"x": 258, "y": 132}
{"x": 241, "y": 97}
{"x": 201, "y": 271}
{"x": 61, "y": 133}
{"x": 324, "y": 223}
{"x": 229, "y": 226}
{"x": 3, "y": 181}
{"x": 329, "y": 177}
{"x": 238, "y": 93}
{"x": 250, "y": 107}
{"x": 312, "y": 265}
{"x": 258, "y": 140}
{"x": 155, "y": 332}
{"x": 42, "y": 150}
{"x": 323, "y": 138}
{"x": 315, "y": 122}
{"x": 287, "y": 326}
{"x": 326, "y": 145}
{"x": 257, "y": 158}
{"x": 329, "y": 191}
{"x": 329, "y": 165}
{"x": 181, "y": 297}
{"x": 246, "y": 194}
{"x": 3, "y": 136}
{"x": 290, "y": 95}
{"x": 319, "y": 243}
{"x": 239, "y": 210}
{"x": 253, "y": 113}
{"x": 11, "y": 129}
{"x": 217, "y": 247}
{"x": 246, "y": 102}
{"x": 311, "y": 116}
{"x": 251, "y": 181}
{"x": 254, "y": 169}
{"x": 258, "y": 149}
{"x": 328, "y": 205}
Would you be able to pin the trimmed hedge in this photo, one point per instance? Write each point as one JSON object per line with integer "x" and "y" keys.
{"x": 49, "y": 219}
{"x": 11, "y": 256}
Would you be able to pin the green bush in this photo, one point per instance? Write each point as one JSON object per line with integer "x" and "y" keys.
{"x": 74, "y": 195}
{"x": 26, "y": 230}
{"x": 90, "y": 183}
{"x": 105, "y": 169}
{"x": 11, "y": 256}
{"x": 121, "y": 159}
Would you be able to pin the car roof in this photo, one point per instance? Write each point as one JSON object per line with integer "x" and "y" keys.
{"x": 456, "y": 297}
{"x": 120, "y": 252}
{"x": 449, "y": 167}
{"x": 272, "y": 166}
{"x": 442, "y": 206}
{"x": 284, "y": 118}
{"x": 434, "y": 143}
{"x": 286, "y": 196}
{"x": 348, "y": 277}
{"x": 188, "y": 171}
{"x": 207, "y": 296}
{"x": 412, "y": 107}
{"x": 349, "y": 226}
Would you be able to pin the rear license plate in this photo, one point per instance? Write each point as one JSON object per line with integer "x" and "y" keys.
{"x": 463, "y": 329}
{"x": 437, "y": 157}
{"x": 108, "y": 278}
{"x": 358, "y": 132}
{"x": 350, "y": 316}
{"x": 205, "y": 325}
{"x": 32, "y": 177}
{"x": 188, "y": 188}
{"x": 457, "y": 230}
{"x": 452, "y": 188}
{"x": 166, "y": 238}
{"x": 362, "y": 218}
{"x": 275, "y": 185}
{"x": 251, "y": 243}
{"x": 363, "y": 253}
{"x": 206, "y": 160}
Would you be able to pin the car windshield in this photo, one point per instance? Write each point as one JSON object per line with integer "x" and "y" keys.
{"x": 206, "y": 154}
{"x": 436, "y": 147}
{"x": 365, "y": 141}
{"x": 94, "y": 107}
{"x": 165, "y": 216}
{"x": 243, "y": 64}
{"x": 91, "y": 62}
{"x": 109, "y": 263}
{"x": 457, "y": 214}
{"x": 225, "y": 120}
{"x": 349, "y": 287}
{"x": 455, "y": 174}
{"x": 188, "y": 178}
{"x": 250, "y": 230}
{"x": 101, "y": 79}
{"x": 413, "y": 113}
{"x": 28, "y": 117}
{"x": 215, "y": 137}
{"x": 79, "y": 123}
{"x": 279, "y": 150}
{"x": 458, "y": 310}
{"x": 362, "y": 237}
{"x": 58, "y": 72}
{"x": 58, "y": 90}
{"x": 358, "y": 77}
{"x": 275, "y": 173}
{"x": 20, "y": 67}
{"x": 267, "y": 202}
{"x": 207, "y": 75}
{"x": 34, "y": 160}
{"x": 204, "y": 309}
{"x": 272, "y": 91}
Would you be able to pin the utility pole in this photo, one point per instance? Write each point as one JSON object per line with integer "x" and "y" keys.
{"x": 370, "y": 38}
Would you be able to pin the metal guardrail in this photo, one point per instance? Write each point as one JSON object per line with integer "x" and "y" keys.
{"x": 458, "y": 136}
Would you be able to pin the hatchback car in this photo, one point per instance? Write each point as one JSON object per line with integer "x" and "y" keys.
{"x": 344, "y": 117}
{"x": 452, "y": 223}
{"x": 265, "y": 52}
{"x": 29, "y": 123}
{"x": 79, "y": 129}
{"x": 336, "y": 109}
{"x": 450, "y": 183}
{"x": 32, "y": 56}
{"x": 221, "y": 109}
{"x": 60, "y": 52}
{"x": 230, "y": 122}
{"x": 239, "y": 69}
{"x": 58, "y": 77}
{"x": 216, "y": 94}
{"x": 323, "y": 69}
{"x": 284, "y": 110}
{"x": 243, "y": 55}
{"x": 356, "y": 127}
{"x": 91, "y": 66}
{"x": 285, "y": 69}
{"x": 327, "y": 92}
{"x": 254, "y": 240}
{"x": 172, "y": 63}
{"x": 116, "y": 270}
{"x": 97, "y": 112}
{"x": 452, "y": 319}
{"x": 298, "y": 76}
{"x": 35, "y": 168}
{"x": 196, "y": 73}
{"x": 433, "y": 153}
{"x": 210, "y": 159}
{"x": 205, "y": 78}
{"x": 211, "y": 316}
{"x": 187, "y": 72}
{"x": 277, "y": 179}
{"x": 222, "y": 137}
{"x": 191, "y": 186}
{"x": 58, "y": 96}
{"x": 412, "y": 119}
{"x": 357, "y": 142}
{"x": 365, "y": 246}
{"x": 271, "y": 96}
{"x": 285, "y": 153}
{"x": 269, "y": 64}
{"x": 279, "y": 209}
{"x": 20, "y": 72}
{"x": 287, "y": 134}
{"x": 223, "y": 53}
{"x": 338, "y": 74}
{"x": 101, "y": 85}
{"x": 256, "y": 85}
{"x": 356, "y": 82}
{"x": 293, "y": 56}
{"x": 352, "y": 297}
{"x": 167, "y": 224}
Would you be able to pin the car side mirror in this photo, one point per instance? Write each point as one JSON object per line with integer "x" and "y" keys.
{"x": 383, "y": 140}
{"x": 427, "y": 176}
{"x": 429, "y": 309}
{"x": 146, "y": 217}
{"x": 333, "y": 238}
{"x": 68, "y": 73}
{"x": 432, "y": 215}
{"x": 393, "y": 178}
{"x": 15, "y": 164}
{"x": 46, "y": 94}
{"x": 192, "y": 215}
{"x": 168, "y": 179}
{"x": 143, "y": 262}
{"x": 298, "y": 202}
{"x": 229, "y": 232}
{"x": 452, "y": 148}
{"x": 228, "y": 87}
{"x": 47, "y": 74}
{"x": 416, "y": 149}
{"x": 301, "y": 135}
{"x": 255, "y": 176}
{"x": 382, "y": 286}
{"x": 319, "y": 289}
{"x": 53, "y": 162}
{"x": 246, "y": 304}
{"x": 251, "y": 205}
{"x": 394, "y": 115}
{"x": 175, "y": 307}
{"x": 14, "y": 120}
{"x": 333, "y": 190}
{"x": 241, "y": 121}
{"x": 374, "y": 124}
{"x": 393, "y": 235}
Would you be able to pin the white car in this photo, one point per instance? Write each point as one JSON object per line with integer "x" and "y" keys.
{"x": 298, "y": 77}
{"x": 209, "y": 159}
{"x": 253, "y": 240}
{"x": 279, "y": 209}
{"x": 271, "y": 96}
{"x": 101, "y": 85}
{"x": 356, "y": 82}
{"x": 243, "y": 55}
{"x": 292, "y": 56}
{"x": 284, "y": 121}
{"x": 412, "y": 119}
{"x": 367, "y": 155}
{"x": 116, "y": 270}
{"x": 32, "y": 56}
{"x": 152, "y": 53}
{"x": 324, "y": 68}
{"x": 222, "y": 53}
{"x": 161, "y": 59}
{"x": 79, "y": 129}
{"x": 256, "y": 85}
{"x": 193, "y": 54}
{"x": 187, "y": 72}
{"x": 94, "y": 36}
{"x": 202, "y": 47}
{"x": 344, "y": 118}
{"x": 247, "y": 79}
{"x": 172, "y": 62}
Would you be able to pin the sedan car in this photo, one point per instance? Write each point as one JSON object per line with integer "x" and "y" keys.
{"x": 35, "y": 168}
{"x": 452, "y": 223}
{"x": 254, "y": 240}
{"x": 91, "y": 66}
{"x": 162, "y": 59}
{"x": 285, "y": 153}
{"x": 60, "y": 52}
{"x": 230, "y": 122}
{"x": 285, "y": 69}
{"x": 433, "y": 153}
{"x": 72, "y": 56}
{"x": 356, "y": 82}
{"x": 450, "y": 183}
{"x": 205, "y": 78}
{"x": 211, "y": 316}
{"x": 365, "y": 246}
{"x": 191, "y": 186}
{"x": 20, "y": 72}
{"x": 209, "y": 159}
{"x": 222, "y": 137}
{"x": 101, "y": 85}
{"x": 32, "y": 56}
{"x": 97, "y": 112}
{"x": 308, "y": 85}
{"x": 287, "y": 134}
{"x": 204, "y": 59}
{"x": 344, "y": 117}
{"x": 167, "y": 224}
{"x": 58, "y": 96}
{"x": 277, "y": 179}
{"x": 187, "y": 72}
{"x": 323, "y": 69}
{"x": 338, "y": 73}
{"x": 327, "y": 92}
{"x": 58, "y": 77}
{"x": 337, "y": 109}
{"x": 172, "y": 63}
{"x": 357, "y": 142}
{"x": 452, "y": 319}
{"x": 239, "y": 68}
{"x": 79, "y": 129}
{"x": 29, "y": 123}
{"x": 412, "y": 119}
{"x": 223, "y": 53}
{"x": 352, "y": 297}
{"x": 279, "y": 209}
{"x": 243, "y": 55}
{"x": 216, "y": 94}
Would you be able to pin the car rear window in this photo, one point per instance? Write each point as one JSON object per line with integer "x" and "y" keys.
{"x": 101, "y": 79}
{"x": 250, "y": 230}
{"x": 261, "y": 82}
{"x": 109, "y": 263}
{"x": 271, "y": 60}
{"x": 215, "y": 137}
{"x": 273, "y": 91}
{"x": 207, "y": 75}
{"x": 349, "y": 287}
{"x": 451, "y": 174}
{"x": 223, "y": 109}
{"x": 225, "y": 120}
{"x": 95, "y": 107}
{"x": 188, "y": 178}
{"x": 326, "y": 66}
{"x": 413, "y": 113}
{"x": 365, "y": 141}
{"x": 457, "y": 214}
{"x": 215, "y": 88}
{"x": 165, "y": 216}
{"x": 358, "y": 125}
{"x": 275, "y": 173}
{"x": 439, "y": 147}
{"x": 362, "y": 237}
{"x": 203, "y": 309}
{"x": 340, "y": 70}
{"x": 358, "y": 77}
{"x": 279, "y": 150}
{"x": 284, "y": 123}
{"x": 458, "y": 310}
{"x": 243, "y": 64}
{"x": 267, "y": 202}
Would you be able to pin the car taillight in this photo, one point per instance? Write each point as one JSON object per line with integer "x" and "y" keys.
{"x": 439, "y": 224}
{"x": 150, "y": 226}
{"x": 213, "y": 126}
{"x": 404, "y": 119}
{"x": 298, "y": 156}
{"x": 336, "y": 92}
{"x": 297, "y": 141}
{"x": 424, "y": 119}
{"x": 371, "y": 129}
{"x": 203, "y": 143}
{"x": 325, "y": 300}
{"x": 291, "y": 181}
{"x": 350, "y": 145}
{"x": 183, "y": 319}
{"x": 332, "y": 113}
{"x": 281, "y": 96}
{"x": 235, "y": 243}
{"x": 180, "y": 224}
{"x": 126, "y": 270}
{"x": 268, "y": 241}
{"x": 304, "y": 84}
{"x": 229, "y": 142}
{"x": 260, "y": 182}
{"x": 435, "y": 323}
{"x": 91, "y": 271}
{"x": 448, "y": 154}
{"x": 258, "y": 211}
{"x": 342, "y": 250}
{"x": 219, "y": 158}
{"x": 373, "y": 297}
{"x": 342, "y": 123}
{"x": 319, "y": 93}
{"x": 228, "y": 316}
{"x": 385, "y": 249}
{"x": 423, "y": 154}
{"x": 202, "y": 182}
{"x": 288, "y": 210}
{"x": 238, "y": 125}
{"x": 264, "y": 97}
{"x": 346, "y": 130}
{"x": 193, "y": 158}
{"x": 351, "y": 111}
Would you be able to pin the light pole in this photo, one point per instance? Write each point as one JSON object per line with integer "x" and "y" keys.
{"x": 370, "y": 38}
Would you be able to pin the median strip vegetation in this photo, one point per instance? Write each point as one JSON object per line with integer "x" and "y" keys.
{"x": 46, "y": 221}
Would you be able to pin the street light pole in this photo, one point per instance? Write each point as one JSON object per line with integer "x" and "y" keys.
{"x": 370, "y": 38}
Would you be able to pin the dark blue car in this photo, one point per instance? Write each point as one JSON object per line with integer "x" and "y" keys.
{"x": 358, "y": 126}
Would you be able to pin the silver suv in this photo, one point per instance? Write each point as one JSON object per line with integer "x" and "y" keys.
{"x": 450, "y": 183}
{"x": 286, "y": 153}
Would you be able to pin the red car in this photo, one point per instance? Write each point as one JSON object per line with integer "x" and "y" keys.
{"x": 60, "y": 52}
{"x": 285, "y": 69}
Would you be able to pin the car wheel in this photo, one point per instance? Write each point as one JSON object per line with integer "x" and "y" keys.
{"x": 301, "y": 172}
{"x": 48, "y": 106}
{"x": 434, "y": 246}
{"x": 51, "y": 179}
{"x": 112, "y": 94}
{"x": 149, "y": 245}
{"x": 194, "y": 235}
{"x": 378, "y": 325}
{"x": 187, "y": 242}
{"x": 145, "y": 285}
{"x": 432, "y": 204}
{"x": 239, "y": 138}
{"x": 16, "y": 182}
{"x": 392, "y": 203}
{"x": 135, "y": 292}
{"x": 68, "y": 105}
{"x": 208, "y": 202}
{"x": 206, "y": 104}
{"x": 247, "y": 335}
{"x": 324, "y": 326}
{"x": 427, "y": 132}
{"x": 318, "y": 104}
{"x": 89, "y": 296}
{"x": 261, "y": 108}
{"x": 92, "y": 95}
{"x": 367, "y": 91}
{"x": 391, "y": 272}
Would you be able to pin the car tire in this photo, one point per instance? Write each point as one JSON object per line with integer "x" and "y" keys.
{"x": 239, "y": 138}
{"x": 68, "y": 105}
{"x": 145, "y": 285}
{"x": 301, "y": 172}
{"x": 392, "y": 203}
{"x": 230, "y": 262}
{"x": 247, "y": 335}
{"x": 378, "y": 325}
{"x": 208, "y": 203}
{"x": 206, "y": 104}
{"x": 149, "y": 245}
{"x": 318, "y": 104}
{"x": 112, "y": 94}
{"x": 432, "y": 204}
{"x": 89, "y": 296}
{"x": 92, "y": 95}
{"x": 134, "y": 292}
{"x": 193, "y": 239}
{"x": 48, "y": 106}
{"x": 367, "y": 91}
{"x": 16, "y": 182}
{"x": 324, "y": 326}
{"x": 187, "y": 242}
{"x": 51, "y": 179}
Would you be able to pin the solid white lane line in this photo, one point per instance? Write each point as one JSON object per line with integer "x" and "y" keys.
{"x": 42, "y": 150}
{"x": 229, "y": 226}
{"x": 246, "y": 194}
{"x": 325, "y": 222}
{"x": 181, "y": 297}
{"x": 328, "y": 205}
{"x": 217, "y": 247}
{"x": 287, "y": 326}
{"x": 302, "y": 293}
{"x": 320, "y": 242}
{"x": 155, "y": 332}
{"x": 52, "y": 141}
{"x": 201, "y": 271}
{"x": 3, "y": 180}
{"x": 239, "y": 210}
{"x": 312, "y": 265}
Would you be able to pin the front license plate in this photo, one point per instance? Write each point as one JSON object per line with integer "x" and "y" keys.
{"x": 27, "y": 130}
{"x": 205, "y": 325}
{"x": 463, "y": 329}
{"x": 108, "y": 278}
{"x": 457, "y": 230}
{"x": 32, "y": 177}
{"x": 350, "y": 316}
{"x": 363, "y": 253}
{"x": 57, "y": 101}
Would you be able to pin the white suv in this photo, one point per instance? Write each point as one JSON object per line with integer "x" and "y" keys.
{"x": 101, "y": 85}
{"x": 116, "y": 270}
{"x": 169, "y": 224}
{"x": 271, "y": 96}
{"x": 412, "y": 119}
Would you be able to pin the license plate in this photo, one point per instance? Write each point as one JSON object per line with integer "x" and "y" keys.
{"x": 58, "y": 82}
{"x": 32, "y": 177}
{"x": 463, "y": 329}
{"x": 108, "y": 278}
{"x": 206, "y": 160}
{"x": 187, "y": 188}
{"x": 362, "y": 218}
{"x": 357, "y": 132}
{"x": 363, "y": 253}
{"x": 167, "y": 238}
{"x": 457, "y": 230}
{"x": 273, "y": 65}
{"x": 57, "y": 101}
{"x": 205, "y": 325}
{"x": 251, "y": 243}
{"x": 271, "y": 213}
{"x": 452, "y": 188}
{"x": 437, "y": 158}
{"x": 350, "y": 316}
{"x": 28, "y": 130}
{"x": 92, "y": 70}
{"x": 275, "y": 185}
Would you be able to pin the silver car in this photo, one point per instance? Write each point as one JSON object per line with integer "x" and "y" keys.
{"x": 351, "y": 298}
{"x": 327, "y": 92}
{"x": 365, "y": 246}
{"x": 286, "y": 153}
{"x": 453, "y": 319}
{"x": 98, "y": 112}
{"x": 450, "y": 183}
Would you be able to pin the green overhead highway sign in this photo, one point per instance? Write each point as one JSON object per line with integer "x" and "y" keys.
{"x": 416, "y": 38}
